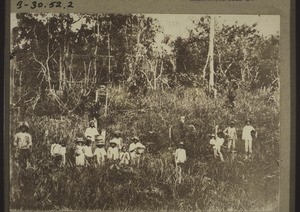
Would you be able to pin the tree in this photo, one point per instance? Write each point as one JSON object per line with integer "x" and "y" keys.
{"x": 211, "y": 82}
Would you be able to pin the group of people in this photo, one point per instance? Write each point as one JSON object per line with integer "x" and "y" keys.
{"x": 92, "y": 150}
{"x": 217, "y": 139}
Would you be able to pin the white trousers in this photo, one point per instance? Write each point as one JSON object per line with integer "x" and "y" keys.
{"x": 80, "y": 160}
{"x": 231, "y": 142}
{"x": 217, "y": 152}
{"x": 248, "y": 145}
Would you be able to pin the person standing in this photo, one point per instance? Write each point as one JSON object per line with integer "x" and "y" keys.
{"x": 232, "y": 136}
{"x": 219, "y": 144}
{"x": 178, "y": 131}
{"x": 79, "y": 154}
{"x": 100, "y": 152}
{"x": 91, "y": 131}
{"x": 248, "y": 133}
{"x": 212, "y": 141}
{"x": 58, "y": 153}
{"x": 124, "y": 156}
{"x": 88, "y": 153}
{"x": 180, "y": 159}
{"x": 139, "y": 152}
{"x": 132, "y": 150}
{"x": 23, "y": 145}
{"x": 113, "y": 154}
{"x": 117, "y": 139}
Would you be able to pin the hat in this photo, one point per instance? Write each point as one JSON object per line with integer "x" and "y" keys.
{"x": 79, "y": 139}
{"x": 99, "y": 137}
{"x": 212, "y": 135}
{"x": 24, "y": 124}
{"x": 117, "y": 132}
{"x": 135, "y": 138}
{"x": 112, "y": 141}
{"x": 100, "y": 143}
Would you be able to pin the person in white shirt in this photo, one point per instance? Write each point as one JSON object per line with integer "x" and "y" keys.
{"x": 219, "y": 144}
{"x": 91, "y": 131}
{"x": 88, "y": 153}
{"x": 58, "y": 153}
{"x": 113, "y": 155}
{"x": 180, "y": 155}
{"x": 100, "y": 152}
{"x": 212, "y": 142}
{"x": 112, "y": 151}
{"x": 232, "y": 136}
{"x": 117, "y": 139}
{"x": 139, "y": 152}
{"x": 247, "y": 136}
{"x": 124, "y": 156}
{"x": 132, "y": 150}
{"x": 23, "y": 144}
{"x": 180, "y": 159}
{"x": 79, "y": 154}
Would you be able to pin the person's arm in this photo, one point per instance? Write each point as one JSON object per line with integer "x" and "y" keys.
{"x": 16, "y": 140}
{"x": 235, "y": 134}
{"x": 108, "y": 153}
{"x": 51, "y": 149}
{"x": 86, "y": 133}
{"x": 121, "y": 143}
{"x": 255, "y": 132}
{"x": 131, "y": 148}
{"x": 96, "y": 132}
{"x": 176, "y": 156}
{"x": 29, "y": 141}
{"x": 216, "y": 129}
{"x": 64, "y": 155}
{"x": 95, "y": 152}
{"x": 225, "y": 131}
{"x": 243, "y": 134}
{"x": 98, "y": 159}
{"x": 104, "y": 156}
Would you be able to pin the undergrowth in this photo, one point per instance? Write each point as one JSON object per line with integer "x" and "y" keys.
{"x": 208, "y": 184}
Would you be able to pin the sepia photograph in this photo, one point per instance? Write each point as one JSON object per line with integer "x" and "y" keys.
{"x": 128, "y": 111}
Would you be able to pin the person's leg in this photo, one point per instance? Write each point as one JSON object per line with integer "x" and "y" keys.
{"x": 246, "y": 148}
{"x": 229, "y": 144}
{"x": 233, "y": 144}
{"x": 138, "y": 160}
{"x": 63, "y": 162}
{"x": 220, "y": 153}
{"x": 215, "y": 152}
{"x": 250, "y": 146}
{"x": 22, "y": 159}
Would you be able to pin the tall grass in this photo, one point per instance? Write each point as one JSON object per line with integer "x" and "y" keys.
{"x": 208, "y": 184}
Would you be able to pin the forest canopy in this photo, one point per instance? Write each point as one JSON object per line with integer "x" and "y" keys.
{"x": 69, "y": 56}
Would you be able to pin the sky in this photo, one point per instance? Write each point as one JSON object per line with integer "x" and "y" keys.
{"x": 179, "y": 24}
{"x": 173, "y": 24}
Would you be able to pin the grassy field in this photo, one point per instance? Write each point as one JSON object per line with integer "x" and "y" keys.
{"x": 208, "y": 184}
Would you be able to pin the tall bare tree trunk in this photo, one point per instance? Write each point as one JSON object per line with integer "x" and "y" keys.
{"x": 60, "y": 70}
{"x": 211, "y": 82}
{"x": 97, "y": 26}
